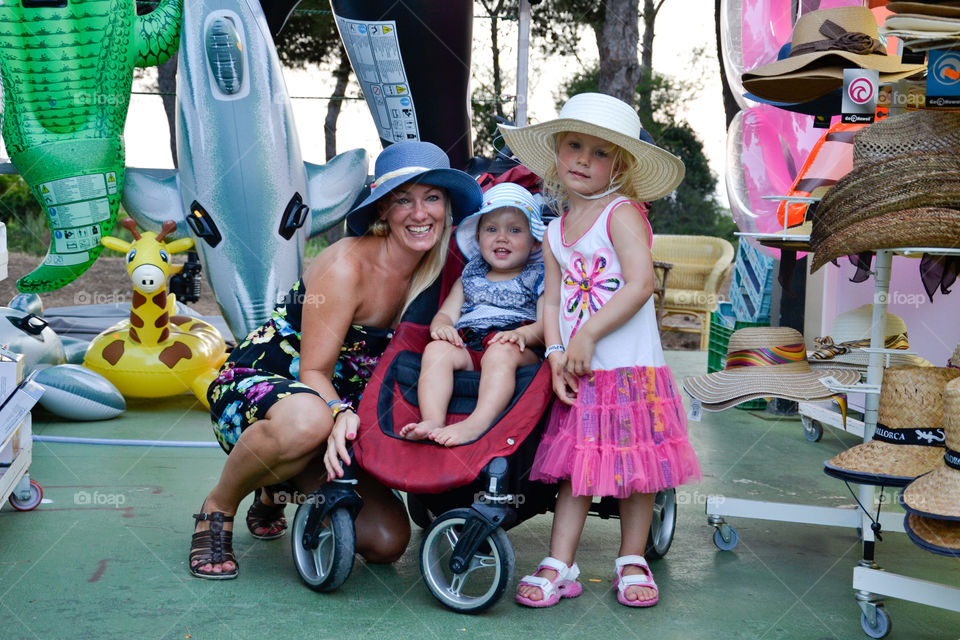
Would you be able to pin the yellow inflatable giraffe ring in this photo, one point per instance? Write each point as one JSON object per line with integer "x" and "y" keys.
{"x": 155, "y": 353}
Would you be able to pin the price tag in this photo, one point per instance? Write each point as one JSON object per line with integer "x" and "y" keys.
{"x": 829, "y": 381}
{"x": 696, "y": 410}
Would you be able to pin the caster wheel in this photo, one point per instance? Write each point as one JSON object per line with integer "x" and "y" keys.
{"x": 882, "y": 626}
{"x": 329, "y": 565}
{"x": 420, "y": 515}
{"x": 31, "y": 503}
{"x": 486, "y": 577}
{"x": 812, "y": 430}
{"x": 663, "y": 525}
{"x": 726, "y": 545}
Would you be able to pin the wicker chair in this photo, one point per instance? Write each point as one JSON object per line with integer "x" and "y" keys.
{"x": 700, "y": 266}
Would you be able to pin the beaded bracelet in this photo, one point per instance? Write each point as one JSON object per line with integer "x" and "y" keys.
{"x": 339, "y": 406}
{"x": 552, "y": 349}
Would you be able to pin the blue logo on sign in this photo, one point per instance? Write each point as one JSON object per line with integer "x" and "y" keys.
{"x": 59, "y": 234}
{"x": 52, "y": 211}
{"x": 405, "y": 102}
{"x": 362, "y": 28}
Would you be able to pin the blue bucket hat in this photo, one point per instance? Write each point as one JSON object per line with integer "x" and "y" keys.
{"x": 420, "y": 162}
{"x": 505, "y": 194}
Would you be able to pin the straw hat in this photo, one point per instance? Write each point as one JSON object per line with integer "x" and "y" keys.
{"x": 925, "y": 9}
{"x": 902, "y": 162}
{"x": 937, "y": 494}
{"x": 851, "y": 332}
{"x": 420, "y": 162}
{"x": 926, "y": 227}
{"x": 936, "y": 536}
{"x": 505, "y": 194}
{"x": 823, "y": 44}
{"x": 764, "y": 362}
{"x": 908, "y": 441}
{"x": 658, "y": 172}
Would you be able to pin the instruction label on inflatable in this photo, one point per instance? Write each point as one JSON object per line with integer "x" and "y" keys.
{"x": 374, "y": 52}
{"x": 74, "y": 206}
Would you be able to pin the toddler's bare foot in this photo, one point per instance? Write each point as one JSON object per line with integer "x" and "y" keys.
{"x": 420, "y": 430}
{"x": 459, "y": 433}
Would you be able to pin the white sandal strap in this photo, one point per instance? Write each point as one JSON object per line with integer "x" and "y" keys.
{"x": 563, "y": 571}
{"x": 546, "y": 587}
{"x": 624, "y": 561}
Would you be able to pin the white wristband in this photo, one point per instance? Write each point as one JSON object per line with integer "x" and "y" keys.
{"x": 552, "y": 349}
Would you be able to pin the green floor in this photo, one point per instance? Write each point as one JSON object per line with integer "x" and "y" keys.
{"x": 115, "y": 567}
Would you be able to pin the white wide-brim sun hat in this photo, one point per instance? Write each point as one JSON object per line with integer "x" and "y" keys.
{"x": 505, "y": 194}
{"x": 658, "y": 171}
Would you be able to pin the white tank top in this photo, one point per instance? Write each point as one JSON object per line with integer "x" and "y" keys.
{"x": 590, "y": 275}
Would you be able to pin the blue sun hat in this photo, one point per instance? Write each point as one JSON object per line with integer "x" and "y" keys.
{"x": 422, "y": 163}
{"x": 505, "y": 194}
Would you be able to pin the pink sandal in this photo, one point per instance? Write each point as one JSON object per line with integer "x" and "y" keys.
{"x": 636, "y": 580}
{"x": 565, "y": 585}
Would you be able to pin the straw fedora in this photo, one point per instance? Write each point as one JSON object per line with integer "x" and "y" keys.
{"x": 909, "y": 438}
{"x": 823, "y": 44}
{"x": 658, "y": 172}
{"x": 937, "y": 494}
{"x": 505, "y": 194}
{"x": 420, "y": 162}
{"x": 850, "y": 333}
{"x": 937, "y": 536}
{"x": 764, "y": 362}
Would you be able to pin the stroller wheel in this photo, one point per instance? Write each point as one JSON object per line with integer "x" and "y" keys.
{"x": 420, "y": 515}
{"x": 327, "y": 566}
{"x": 487, "y": 574}
{"x": 663, "y": 525}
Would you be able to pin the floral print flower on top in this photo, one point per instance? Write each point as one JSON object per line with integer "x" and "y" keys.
{"x": 585, "y": 291}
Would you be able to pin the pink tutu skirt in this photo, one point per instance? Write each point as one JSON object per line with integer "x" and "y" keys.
{"x": 626, "y": 433}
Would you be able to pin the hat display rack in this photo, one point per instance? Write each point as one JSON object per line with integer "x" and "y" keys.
{"x": 870, "y": 583}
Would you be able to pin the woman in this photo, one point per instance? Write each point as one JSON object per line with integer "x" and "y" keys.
{"x": 279, "y": 402}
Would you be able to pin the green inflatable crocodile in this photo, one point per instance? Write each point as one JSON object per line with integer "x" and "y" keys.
{"x": 67, "y": 67}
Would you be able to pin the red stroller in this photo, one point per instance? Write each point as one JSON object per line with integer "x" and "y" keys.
{"x": 464, "y": 497}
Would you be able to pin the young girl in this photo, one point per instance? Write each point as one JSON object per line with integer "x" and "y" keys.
{"x": 489, "y": 317}
{"x": 619, "y": 427}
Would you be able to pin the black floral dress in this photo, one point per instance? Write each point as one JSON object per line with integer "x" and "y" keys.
{"x": 266, "y": 367}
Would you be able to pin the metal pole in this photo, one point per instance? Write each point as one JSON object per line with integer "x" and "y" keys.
{"x": 523, "y": 53}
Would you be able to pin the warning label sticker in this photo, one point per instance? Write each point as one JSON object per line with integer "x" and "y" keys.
{"x": 374, "y": 52}
{"x": 79, "y": 213}
{"x": 95, "y": 185}
{"x": 77, "y": 239}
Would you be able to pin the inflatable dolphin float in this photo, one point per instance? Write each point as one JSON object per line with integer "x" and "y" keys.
{"x": 242, "y": 191}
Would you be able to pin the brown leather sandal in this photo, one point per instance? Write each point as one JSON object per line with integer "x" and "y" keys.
{"x": 269, "y": 517}
{"x": 213, "y": 546}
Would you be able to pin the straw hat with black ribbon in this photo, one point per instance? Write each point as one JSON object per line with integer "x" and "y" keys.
{"x": 909, "y": 439}
{"x": 764, "y": 362}
{"x": 933, "y": 500}
{"x": 822, "y": 45}
{"x": 850, "y": 334}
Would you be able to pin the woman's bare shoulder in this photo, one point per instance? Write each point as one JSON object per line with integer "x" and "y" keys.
{"x": 342, "y": 262}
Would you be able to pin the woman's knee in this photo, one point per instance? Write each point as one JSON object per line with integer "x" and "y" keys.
{"x": 301, "y": 429}
{"x": 383, "y": 527}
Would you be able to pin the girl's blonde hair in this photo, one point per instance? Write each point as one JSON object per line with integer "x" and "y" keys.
{"x": 623, "y": 164}
{"x": 431, "y": 264}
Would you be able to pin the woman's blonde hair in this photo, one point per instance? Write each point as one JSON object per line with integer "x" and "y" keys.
{"x": 624, "y": 164}
{"x": 431, "y": 264}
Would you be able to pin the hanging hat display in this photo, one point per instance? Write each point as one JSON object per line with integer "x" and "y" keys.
{"x": 909, "y": 439}
{"x": 764, "y": 362}
{"x": 823, "y": 44}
